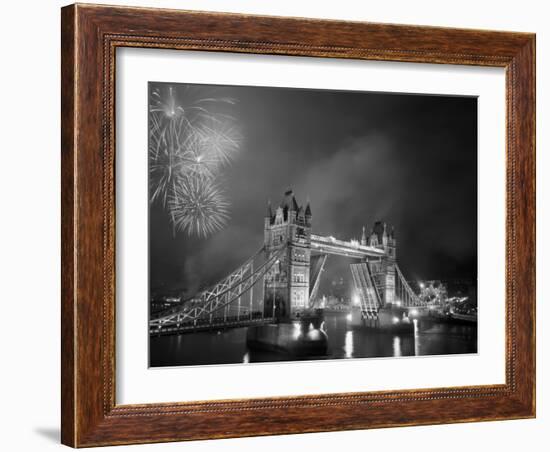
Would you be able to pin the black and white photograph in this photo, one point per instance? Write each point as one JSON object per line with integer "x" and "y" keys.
{"x": 275, "y": 226}
{"x": 292, "y": 224}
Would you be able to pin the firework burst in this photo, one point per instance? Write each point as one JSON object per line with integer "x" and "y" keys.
{"x": 219, "y": 140}
{"x": 165, "y": 156}
{"x": 175, "y": 152}
{"x": 198, "y": 206}
{"x": 165, "y": 103}
{"x": 188, "y": 147}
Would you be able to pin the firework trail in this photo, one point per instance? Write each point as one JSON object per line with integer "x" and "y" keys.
{"x": 188, "y": 146}
{"x": 219, "y": 140}
{"x": 198, "y": 206}
{"x": 165, "y": 103}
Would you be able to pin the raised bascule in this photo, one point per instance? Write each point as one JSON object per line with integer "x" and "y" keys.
{"x": 279, "y": 283}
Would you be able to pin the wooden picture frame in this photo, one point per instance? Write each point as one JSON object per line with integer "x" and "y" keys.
{"x": 90, "y": 35}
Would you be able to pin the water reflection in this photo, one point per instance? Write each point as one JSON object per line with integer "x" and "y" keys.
{"x": 297, "y": 330}
{"x": 229, "y": 346}
{"x": 396, "y": 346}
{"x": 416, "y": 341}
{"x": 348, "y": 347}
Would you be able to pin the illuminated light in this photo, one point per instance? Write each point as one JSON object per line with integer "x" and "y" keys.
{"x": 421, "y": 285}
{"x": 246, "y": 358}
{"x": 414, "y": 312}
{"x": 356, "y": 300}
{"x": 395, "y": 320}
{"x": 349, "y": 317}
{"x": 398, "y": 302}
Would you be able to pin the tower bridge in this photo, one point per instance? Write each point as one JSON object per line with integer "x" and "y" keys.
{"x": 281, "y": 280}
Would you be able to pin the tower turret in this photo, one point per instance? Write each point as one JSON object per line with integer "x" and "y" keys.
{"x": 289, "y": 206}
{"x": 391, "y": 246}
{"x": 308, "y": 214}
{"x": 268, "y": 215}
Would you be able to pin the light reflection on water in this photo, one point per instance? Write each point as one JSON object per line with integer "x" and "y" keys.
{"x": 416, "y": 338}
{"x": 226, "y": 347}
{"x": 297, "y": 330}
{"x": 349, "y": 344}
{"x": 397, "y": 346}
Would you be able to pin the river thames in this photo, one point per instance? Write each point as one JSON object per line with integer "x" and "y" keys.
{"x": 430, "y": 337}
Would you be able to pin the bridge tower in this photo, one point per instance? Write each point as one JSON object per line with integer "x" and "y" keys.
{"x": 383, "y": 269}
{"x": 286, "y": 292}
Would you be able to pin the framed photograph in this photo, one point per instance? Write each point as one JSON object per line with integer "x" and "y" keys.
{"x": 282, "y": 225}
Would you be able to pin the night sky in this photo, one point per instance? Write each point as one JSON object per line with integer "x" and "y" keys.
{"x": 408, "y": 160}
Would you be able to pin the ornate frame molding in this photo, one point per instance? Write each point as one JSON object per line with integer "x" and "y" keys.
{"x": 90, "y": 37}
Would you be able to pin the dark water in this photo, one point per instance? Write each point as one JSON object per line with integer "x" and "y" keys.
{"x": 229, "y": 347}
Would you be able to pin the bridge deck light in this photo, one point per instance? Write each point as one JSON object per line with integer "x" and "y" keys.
{"x": 395, "y": 320}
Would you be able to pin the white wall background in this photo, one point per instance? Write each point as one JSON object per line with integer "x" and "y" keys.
{"x": 29, "y": 224}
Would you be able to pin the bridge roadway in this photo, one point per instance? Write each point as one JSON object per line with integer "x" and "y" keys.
{"x": 205, "y": 325}
{"x": 352, "y": 248}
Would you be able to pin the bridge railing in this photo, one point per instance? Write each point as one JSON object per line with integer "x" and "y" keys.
{"x": 227, "y": 292}
{"x": 402, "y": 288}
{"x": 212, "y": 288}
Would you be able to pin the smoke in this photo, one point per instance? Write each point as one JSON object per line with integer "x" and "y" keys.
{"x": 406, "y": 160}
{"x": 352, "y": 186}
